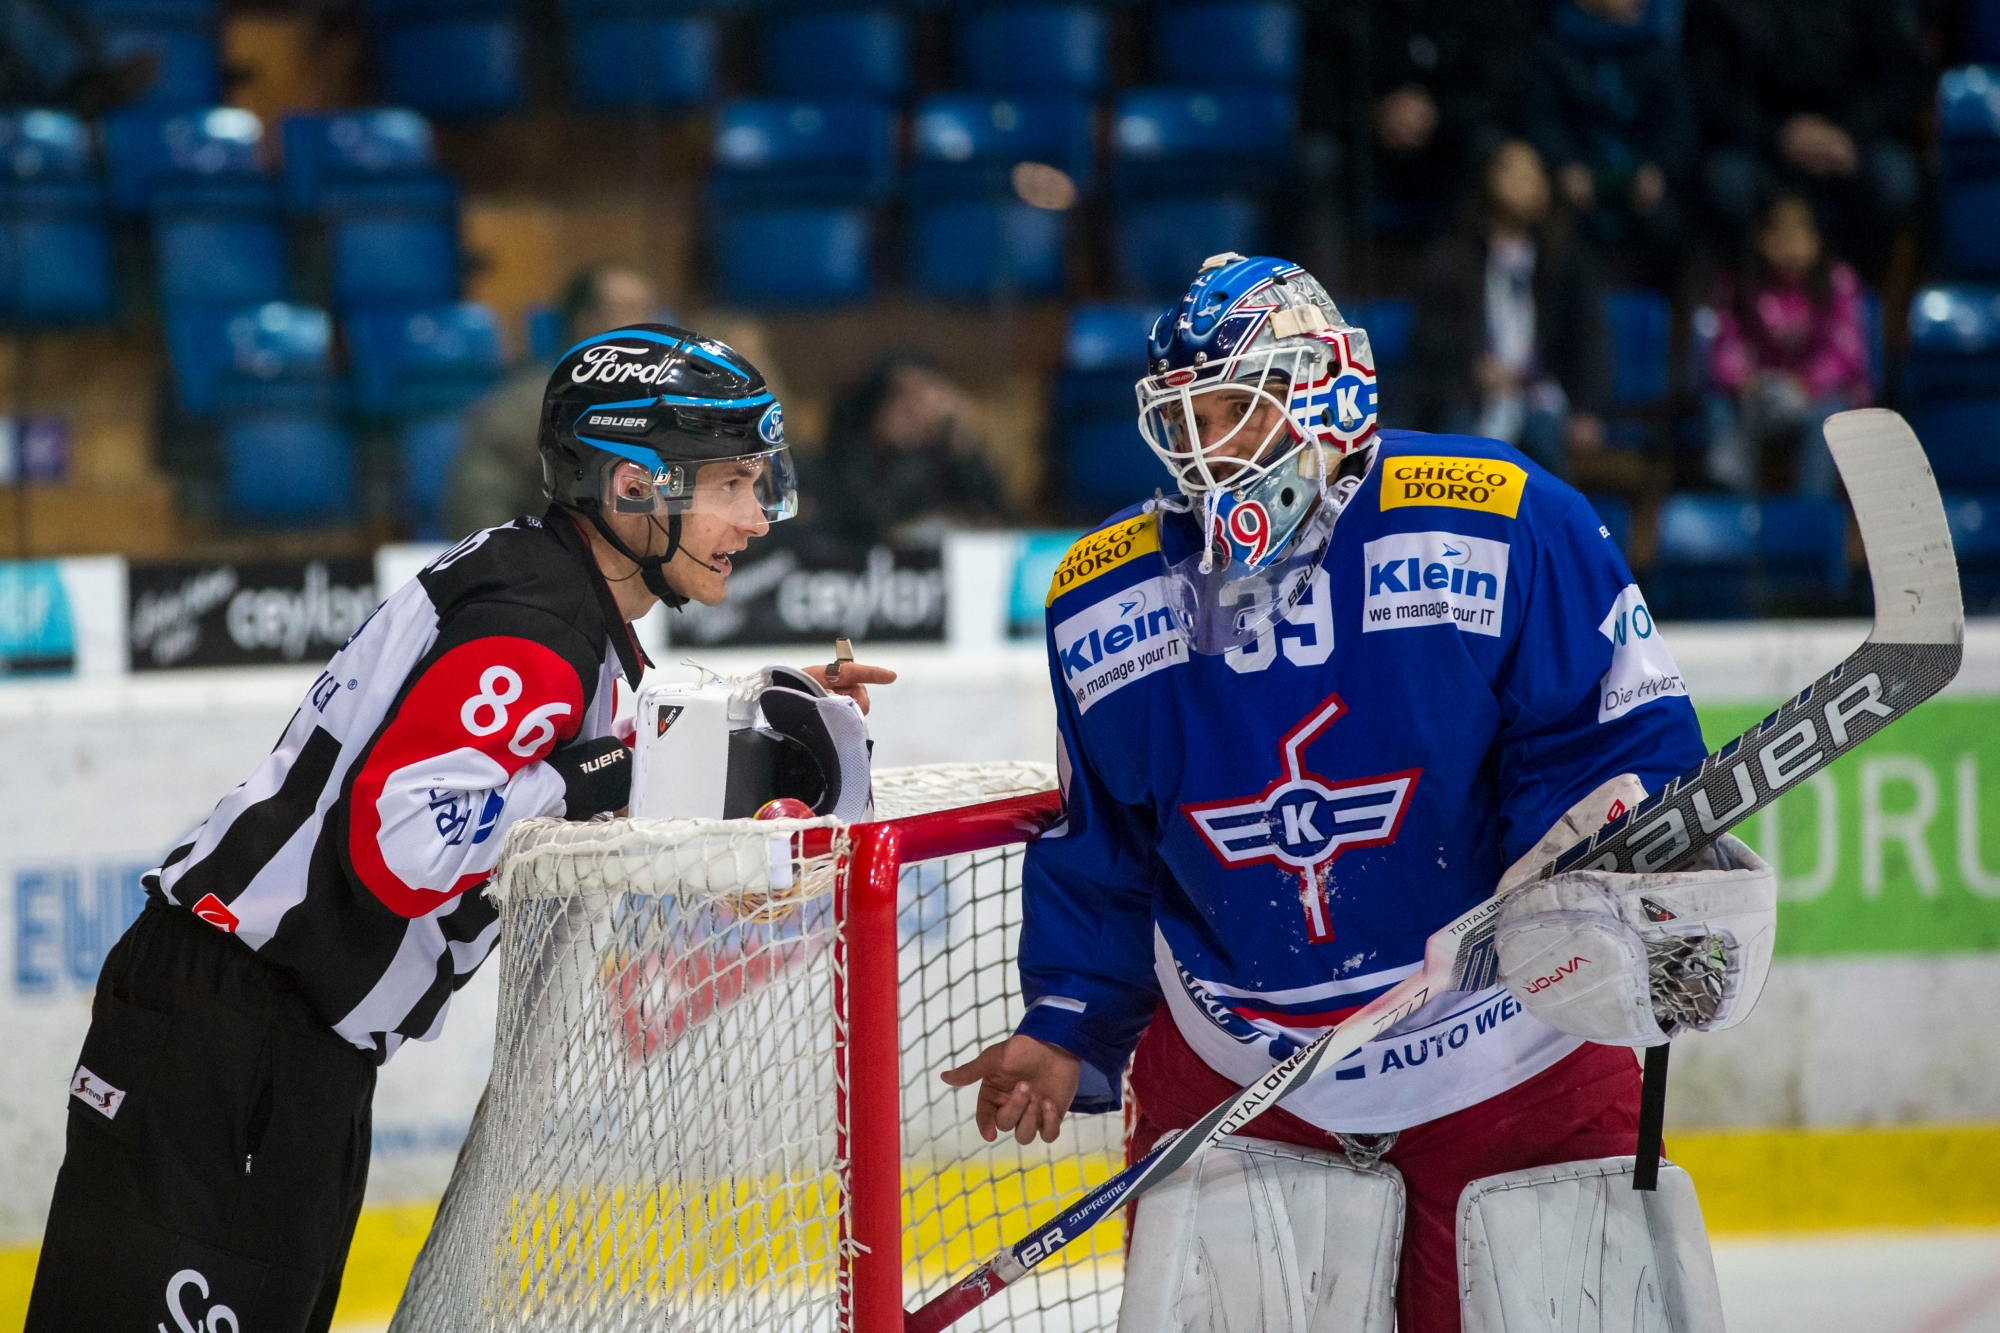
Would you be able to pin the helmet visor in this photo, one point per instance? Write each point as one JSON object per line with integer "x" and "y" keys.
{"x": 749, "y": 491}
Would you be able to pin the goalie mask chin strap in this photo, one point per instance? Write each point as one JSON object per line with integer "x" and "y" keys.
{"x": 652, "y": 568}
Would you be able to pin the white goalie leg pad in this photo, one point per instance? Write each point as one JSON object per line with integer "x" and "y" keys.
{"x": 1260, "y": 1237}
{"x": 1573, "y": 1248}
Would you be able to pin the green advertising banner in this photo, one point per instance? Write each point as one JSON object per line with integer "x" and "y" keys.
{"x": 1896, "y": 847}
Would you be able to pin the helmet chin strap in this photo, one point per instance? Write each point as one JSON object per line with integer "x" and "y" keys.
{"x": 652, "y": 568}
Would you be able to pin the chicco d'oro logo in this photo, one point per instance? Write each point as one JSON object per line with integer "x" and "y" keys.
{"x": 1487, "y": 484}
{"x": 605, "y": 364}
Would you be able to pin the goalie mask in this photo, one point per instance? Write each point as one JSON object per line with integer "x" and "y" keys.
{"x": 705, "y": 432}
{"x": 1262, "y": 405}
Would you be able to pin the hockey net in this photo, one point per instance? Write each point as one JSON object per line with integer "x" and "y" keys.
{"x": 715, "y": 1102}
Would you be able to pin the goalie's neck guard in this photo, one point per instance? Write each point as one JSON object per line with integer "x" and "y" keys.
{"x": 1226, "y": 604}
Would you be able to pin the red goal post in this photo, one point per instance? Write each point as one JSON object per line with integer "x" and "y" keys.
{"x": 714, "y": 1101}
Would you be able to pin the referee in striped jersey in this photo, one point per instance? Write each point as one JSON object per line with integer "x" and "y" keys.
{"x": 327, "y": 909}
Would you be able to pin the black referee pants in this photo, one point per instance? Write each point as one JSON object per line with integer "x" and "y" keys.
{"x": 217, "y": 1147}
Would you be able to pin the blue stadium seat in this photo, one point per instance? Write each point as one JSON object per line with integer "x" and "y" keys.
{"x": 180, "y": 34}
{"x": 423, "y": 359}
{"x": 1641, "y": 327}
{"x": 1032, "y": 48}
{"x": 395, "y": 247}
{"x": 1109, "y": 339}
{"x": 207, "y": 150}
{"x": 1975, "y": 539}
{"x": 1388, "y": 320}
{"x": 1162, "y": 242}
{"x": 1184, "y": 139}
{"x": 975, "y": 248}
{"x": 266, "y": 374}
{"x": 1190, "y": 170}
{"x": 791, "y": 198}
{"x": 388, "y": 217}
{"x": 971, "y": 234}
{"x": 354, "y": 153}
{"x": 1969, "y": 169}
{"x": 1951, "y": 383}
{"x": 622, "y": 57}
{"x": 55, "y": 250}
{"x": 225, "y": 358}
{"x": 1236, "y": 42}
{"x": 844, "y": 53}
{"x": 1095, "y": 416}
{"x": 1727, "y": 558}
{"x": 813, "y": 255}
{"x": 968, "y": 143}
{"x": 287, "y": 464}
{"x": 216, "y": 238}
{"x": 771, "y": 150}
{"x": 420, "y": 368}
{"x": 451, "y": 59}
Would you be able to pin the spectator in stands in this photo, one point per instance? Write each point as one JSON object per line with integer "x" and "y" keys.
{"x": 904, "y": 460}
{"x": 497, "y": 475}
{"x": 1509, "y": 339}
{"x": 1443, "y": 70}
{"x": 1789, "y": 351}
{"x": 1607, "y": 106}
{"x": 1821, "y": 96}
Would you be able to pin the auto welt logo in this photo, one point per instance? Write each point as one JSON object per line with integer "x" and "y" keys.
{"x": 1302, "y": 822}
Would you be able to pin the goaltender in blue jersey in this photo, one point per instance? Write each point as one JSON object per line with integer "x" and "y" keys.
{"x": 1315, "y": 704}
{"x": 1266, "y": 837}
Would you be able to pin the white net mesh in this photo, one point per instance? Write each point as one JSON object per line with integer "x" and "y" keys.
{"x": 657, "y": 1144}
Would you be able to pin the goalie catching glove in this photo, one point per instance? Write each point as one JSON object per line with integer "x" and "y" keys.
{"x": 1634, "y": 960}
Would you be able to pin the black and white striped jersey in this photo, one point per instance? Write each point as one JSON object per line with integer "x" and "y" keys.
{"x": 348, "y": 858}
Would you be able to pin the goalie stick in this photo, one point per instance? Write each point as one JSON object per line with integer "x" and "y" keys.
{"x": 1912, "y": 651}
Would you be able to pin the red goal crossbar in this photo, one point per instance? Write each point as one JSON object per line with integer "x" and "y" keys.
{"x": 868, "y": 1064}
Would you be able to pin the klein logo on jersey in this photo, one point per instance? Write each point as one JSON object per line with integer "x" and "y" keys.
{"x": 95, "y": 1093}
{"x": 1126, "y": 636}
{"x": 1485, "y": 484}
{"x": 1302, "y": 821}
{"x": 1435, "y": 578}
{"x": 216, "y": 912}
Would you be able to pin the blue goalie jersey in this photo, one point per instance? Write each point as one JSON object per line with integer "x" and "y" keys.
{"x": 1266, "y": 838}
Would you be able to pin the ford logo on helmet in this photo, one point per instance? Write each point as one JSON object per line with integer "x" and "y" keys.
{"x": 771, "y": 426}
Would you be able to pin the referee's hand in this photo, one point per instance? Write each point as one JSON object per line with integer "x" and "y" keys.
{"x": 853, "y": 681}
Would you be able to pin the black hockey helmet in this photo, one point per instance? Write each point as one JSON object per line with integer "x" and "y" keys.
{"x": 691, "y": 411}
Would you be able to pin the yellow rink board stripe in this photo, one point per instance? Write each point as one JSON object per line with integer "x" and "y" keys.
{"x": 1749, "y": 1181}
